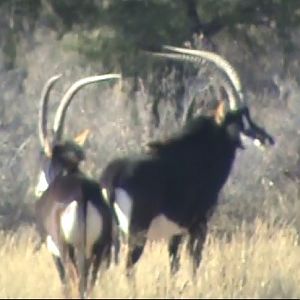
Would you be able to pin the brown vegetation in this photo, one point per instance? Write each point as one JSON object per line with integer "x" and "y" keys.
{"x": 261, "y": 265}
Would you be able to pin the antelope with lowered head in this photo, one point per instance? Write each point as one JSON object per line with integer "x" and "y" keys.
{"x": 72, "y": 216}
{"x": 171, "y": 191}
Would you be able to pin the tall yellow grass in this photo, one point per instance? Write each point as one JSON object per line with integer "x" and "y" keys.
{"x": 264, "y": 265}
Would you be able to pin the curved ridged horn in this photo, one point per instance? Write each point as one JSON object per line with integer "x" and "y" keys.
{"x": 43, "y": 108}
{"x": 231, "y": 79}
{"x": 68, "y": 96}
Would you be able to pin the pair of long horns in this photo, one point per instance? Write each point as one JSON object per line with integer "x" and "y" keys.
{"x": 62, "y": 108}
{"x": 230, "y": 79}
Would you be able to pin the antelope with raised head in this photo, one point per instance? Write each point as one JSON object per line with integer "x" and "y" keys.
{"x": 72, "y": 216}
{"x": 171, "y": 191}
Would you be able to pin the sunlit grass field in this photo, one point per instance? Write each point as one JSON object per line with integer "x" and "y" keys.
{"x": 263, "y": 265}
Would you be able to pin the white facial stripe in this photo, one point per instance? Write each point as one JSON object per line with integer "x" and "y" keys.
{"x": 163, "y": 228}
{"x": 42, "y": 184}
{"x": 52, "y": 248}
{"x": 71, "y": 226}
{"x": 259, "y": 144}
{"x": 244, "y": 138}
{"x": 247, "y": 140}
{"x": 245, "y": 122}
{"x": 123, "y": 207}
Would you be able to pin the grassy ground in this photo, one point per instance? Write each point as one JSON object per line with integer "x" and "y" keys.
{"x": 263, "y": 265}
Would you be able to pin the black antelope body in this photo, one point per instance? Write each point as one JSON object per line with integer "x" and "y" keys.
{"x": 171, "y": 191}
{"x": 71, "y": 215}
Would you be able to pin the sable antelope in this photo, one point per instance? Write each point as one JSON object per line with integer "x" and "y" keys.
{"x": 71, "y": 214}
{"x": 171, "y": 191}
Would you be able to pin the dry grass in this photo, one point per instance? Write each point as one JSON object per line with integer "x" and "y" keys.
{"x": 261, "y": 266}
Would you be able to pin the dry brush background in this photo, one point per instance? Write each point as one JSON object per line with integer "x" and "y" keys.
{"x": 253, "y": 246}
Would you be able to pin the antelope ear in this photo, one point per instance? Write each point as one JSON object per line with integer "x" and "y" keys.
{"x": 220, "y": 113}
{"x": 81, "y": 138}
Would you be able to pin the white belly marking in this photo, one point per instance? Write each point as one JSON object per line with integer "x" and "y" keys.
{"x": 160, "y": 228}
{"x": 163, "y": 228}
